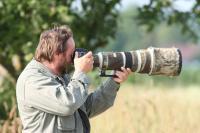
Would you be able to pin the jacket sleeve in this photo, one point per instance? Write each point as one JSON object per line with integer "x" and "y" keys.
{"x": 101, "y": 99}
{"x": 47, "y": 94}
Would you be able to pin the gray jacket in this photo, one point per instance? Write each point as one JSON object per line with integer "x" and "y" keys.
{"x": 48, "y": 103}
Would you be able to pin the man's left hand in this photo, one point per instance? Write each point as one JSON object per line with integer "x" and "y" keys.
{"x": 122, "y": 75}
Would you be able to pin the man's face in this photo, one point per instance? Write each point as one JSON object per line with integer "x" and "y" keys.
{"x": 65, "y": 59}
{"x": 70, "y": 50}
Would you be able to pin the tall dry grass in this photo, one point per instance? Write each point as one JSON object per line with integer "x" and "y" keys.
{"x": 143, "y": 109}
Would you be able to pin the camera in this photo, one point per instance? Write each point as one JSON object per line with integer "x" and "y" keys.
{"x": 151, "y": 61}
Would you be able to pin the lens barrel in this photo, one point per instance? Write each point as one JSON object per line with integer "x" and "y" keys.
{"x": 152, "y": 61}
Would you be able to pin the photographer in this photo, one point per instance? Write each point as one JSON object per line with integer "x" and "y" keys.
{"x": 49, "y": 101}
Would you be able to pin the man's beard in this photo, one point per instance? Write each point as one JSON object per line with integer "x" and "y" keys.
{"x": 66, "y": 68}
{"x": 63, "y": 67}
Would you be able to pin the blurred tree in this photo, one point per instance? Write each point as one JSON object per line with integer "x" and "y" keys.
{"x": 130, "y": 36}
{"x": 158, "y": 11}
{"x": 22, "y": 21}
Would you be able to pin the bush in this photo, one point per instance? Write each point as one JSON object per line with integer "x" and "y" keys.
{"x": 188, "y": 76}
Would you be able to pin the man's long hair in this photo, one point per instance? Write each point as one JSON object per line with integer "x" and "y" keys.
{"x": 52, "y": 42}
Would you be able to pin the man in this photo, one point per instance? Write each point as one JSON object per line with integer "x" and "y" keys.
{"x": 49, "y": 101}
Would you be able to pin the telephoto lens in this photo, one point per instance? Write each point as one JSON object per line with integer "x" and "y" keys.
{"x": 152, "y": 61}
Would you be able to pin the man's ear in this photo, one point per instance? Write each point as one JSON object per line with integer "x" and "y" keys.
{"x": 58, "y": 53}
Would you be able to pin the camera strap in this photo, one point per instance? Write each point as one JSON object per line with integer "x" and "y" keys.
{"x": 85, "y": 121}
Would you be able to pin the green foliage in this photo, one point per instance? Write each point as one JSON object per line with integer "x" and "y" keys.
{"x": 158, "y": 11}
{"x": 95, "y": 23}
{"x": 21, "y": 23}
{"x": 188, "y": 77}
{"x": 130, "y": 36}
{"x": 7, "y": 99}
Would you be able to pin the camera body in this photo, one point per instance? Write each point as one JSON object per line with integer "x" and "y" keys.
{"x": 152, "y": 61}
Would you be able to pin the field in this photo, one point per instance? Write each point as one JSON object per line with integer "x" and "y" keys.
{"x": 142, "y": 109}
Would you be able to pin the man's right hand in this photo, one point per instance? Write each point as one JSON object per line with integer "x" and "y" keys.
{"x": 84, "y": 63}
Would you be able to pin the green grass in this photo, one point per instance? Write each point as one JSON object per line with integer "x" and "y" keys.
{"x": 188, "y": 77}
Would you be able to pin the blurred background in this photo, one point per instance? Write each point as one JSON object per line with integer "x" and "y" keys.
{"x": 153, "y": 104}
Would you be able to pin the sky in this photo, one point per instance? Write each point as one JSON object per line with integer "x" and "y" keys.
{"x": 182, "y": 5}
